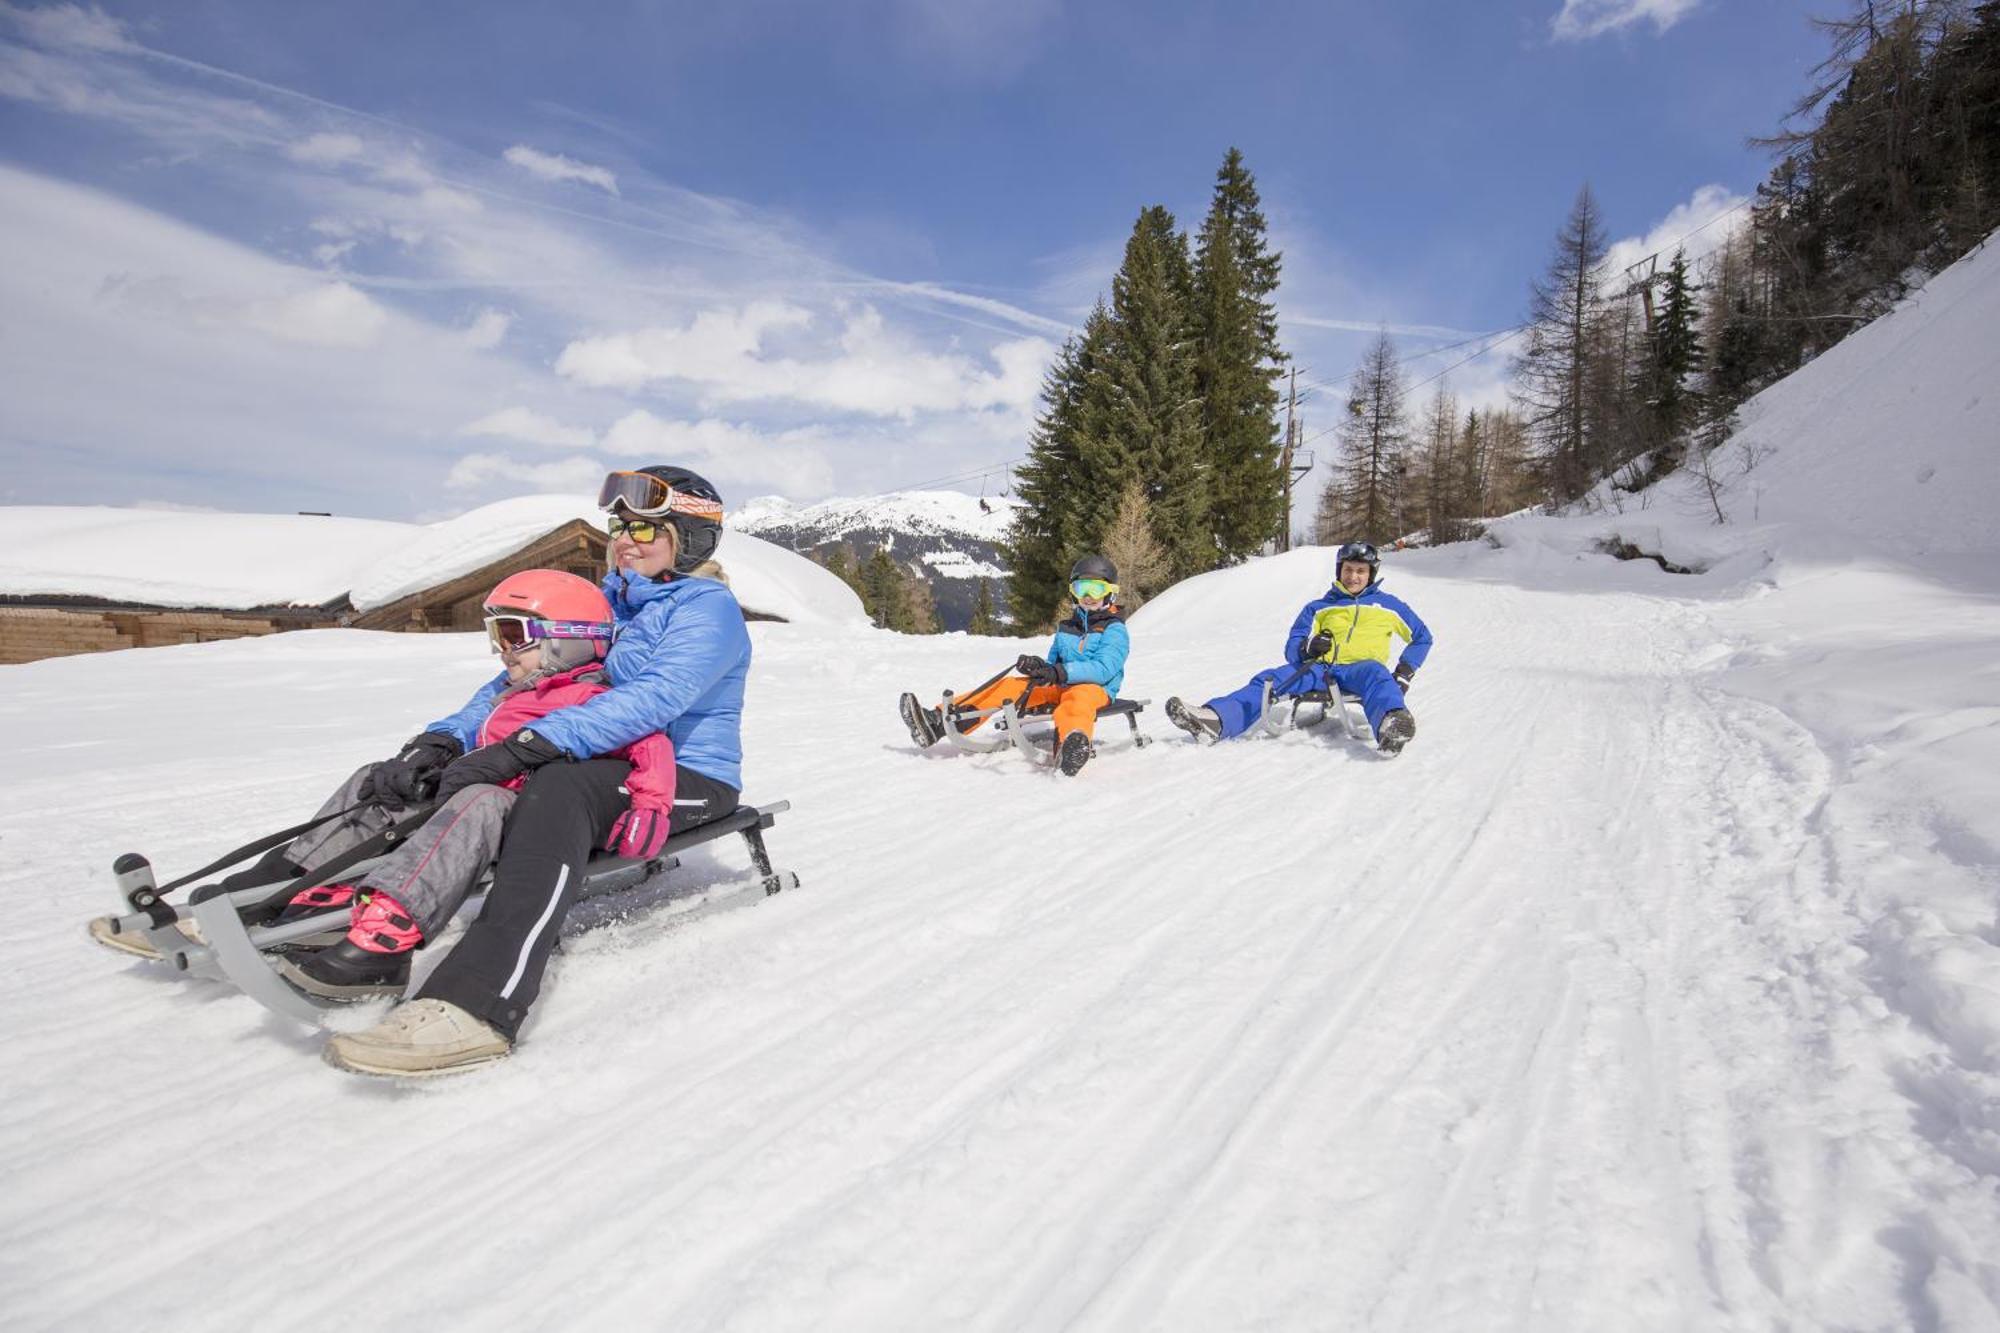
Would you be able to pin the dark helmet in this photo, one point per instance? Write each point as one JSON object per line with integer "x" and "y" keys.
{"x": 1093, "y": 567}
{"x": 682, "y": 499}
{"x": 1360, "y": 553}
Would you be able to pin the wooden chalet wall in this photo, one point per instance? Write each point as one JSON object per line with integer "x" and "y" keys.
{"x": 31, "y": 633}
{"x": 34, "y": 628}
{"x": 460, "y": 604}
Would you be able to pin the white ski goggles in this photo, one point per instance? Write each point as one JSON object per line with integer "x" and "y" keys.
{"x": 644, "y": 493}
{"x": 510, "y": 634}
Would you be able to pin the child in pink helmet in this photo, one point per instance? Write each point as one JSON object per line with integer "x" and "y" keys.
{"x": 551, "y": 631}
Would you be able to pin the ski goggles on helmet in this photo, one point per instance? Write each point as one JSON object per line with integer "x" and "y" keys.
{"x": 510, "y": 634}
{"x": 644, "y": 493}
{"x": 1097, "y": 588}
{"x": 638, "y": 529}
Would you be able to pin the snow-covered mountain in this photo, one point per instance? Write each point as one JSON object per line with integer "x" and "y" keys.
{"x": 949, "y": 538}
{"x": 1656, "y": 986}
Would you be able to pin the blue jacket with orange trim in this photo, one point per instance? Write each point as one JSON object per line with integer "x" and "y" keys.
{"x": 1092, "y": 647}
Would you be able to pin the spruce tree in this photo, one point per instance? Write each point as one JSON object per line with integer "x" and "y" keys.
{"x": 984, "y": 621}
{"x": 1146, "y": 386}
{"x": 1673, "y": 355}
{"x": 1054, "y": 522}
{"x": 1237, "y": 365}
{"x": 882, "y": 590}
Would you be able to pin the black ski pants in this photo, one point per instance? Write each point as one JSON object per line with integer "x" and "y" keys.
{"x": 564, "y": 813}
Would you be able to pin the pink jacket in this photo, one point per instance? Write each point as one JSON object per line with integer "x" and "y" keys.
{"x": 652, "y": 757}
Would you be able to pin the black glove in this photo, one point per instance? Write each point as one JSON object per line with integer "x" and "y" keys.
{"x": 401, "y": 780}
{"x": 1404, "y": 673}
{"x": 519, "y": 753}
{"x": 1318, "y": 646}
{"x": 1038, "y": 671}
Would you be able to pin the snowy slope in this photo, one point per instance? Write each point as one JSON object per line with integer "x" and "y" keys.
{"x": 1657, "y": 986}
{"x": 919, "y": 513}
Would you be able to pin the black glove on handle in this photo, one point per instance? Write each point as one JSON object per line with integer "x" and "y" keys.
{"x": 509, "y": 759}
{"x": 1037, "y": 670}
{"x": 1404, "y": 674}
{"x": 1318, "y": 646}
{"x": 401, "y": 780}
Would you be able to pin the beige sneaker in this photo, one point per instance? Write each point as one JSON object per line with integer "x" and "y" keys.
{"x": 418, "y": 1039}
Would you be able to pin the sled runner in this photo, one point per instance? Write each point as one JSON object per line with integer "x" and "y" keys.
{"x": 1008, "y": 725}
{"x": 210, "y": 937}
{"x": 1277, "y": 721}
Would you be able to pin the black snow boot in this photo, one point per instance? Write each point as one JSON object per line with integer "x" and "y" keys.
{"x": 926, "y": 724}
{"x": 1074, "y": 754}
{"x": 1397, "y": 729}
{"x": 346, "y": 971}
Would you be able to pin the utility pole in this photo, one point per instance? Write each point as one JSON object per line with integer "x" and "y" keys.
{"x": 1291, "y": 440}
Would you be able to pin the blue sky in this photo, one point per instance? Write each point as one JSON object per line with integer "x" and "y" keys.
{"x": 397, "y": 260}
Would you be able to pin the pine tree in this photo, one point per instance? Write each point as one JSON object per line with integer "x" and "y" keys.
{"x": 1128, "y": 543}
{"x": 1237, "y": 366}
{"x": 1551, "y": 373}
{"x": 1146, "y": 386}
{"x": 983, "y": 619}
{"x": 839, "y": 561}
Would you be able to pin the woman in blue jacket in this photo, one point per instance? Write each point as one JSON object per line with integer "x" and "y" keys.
{"x": 677, "y": 664}
{"x": 1081, "y": 674}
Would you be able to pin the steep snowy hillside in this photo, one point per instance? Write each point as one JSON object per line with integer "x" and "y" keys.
{"x": 950, "y": 539}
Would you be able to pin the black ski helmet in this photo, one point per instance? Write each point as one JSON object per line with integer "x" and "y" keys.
{"x": 696, "y": 536}
{"x": 1363, "y": 553}
{"x": 1093, "y": 567}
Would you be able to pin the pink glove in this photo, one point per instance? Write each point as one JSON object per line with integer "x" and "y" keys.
{"x": 639, "y": 832}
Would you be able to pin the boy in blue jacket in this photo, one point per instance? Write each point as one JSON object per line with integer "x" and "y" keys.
{"x": 1081, "y": 674}
{"x": 1339, "y": 641}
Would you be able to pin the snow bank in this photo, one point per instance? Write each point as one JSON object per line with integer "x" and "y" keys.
{"x": 179, "y": 558}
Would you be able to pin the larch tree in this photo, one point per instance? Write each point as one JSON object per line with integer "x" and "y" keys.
{"x": 1361, "y": 500}
{"x": 1551, "y": 375}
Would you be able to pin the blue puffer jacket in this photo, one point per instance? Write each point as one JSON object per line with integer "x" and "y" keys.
{"x": 677, "y": 665}
{"x": 1092, "y": 646}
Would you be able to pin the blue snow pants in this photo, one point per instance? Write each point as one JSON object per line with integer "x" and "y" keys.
{"x": 1371, "y": 680}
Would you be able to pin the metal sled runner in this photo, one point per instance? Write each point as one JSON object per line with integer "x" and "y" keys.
{"x": 1276, "y": 722}
{"x": 224, "y": 948}
{"x": 1007, "y": 726}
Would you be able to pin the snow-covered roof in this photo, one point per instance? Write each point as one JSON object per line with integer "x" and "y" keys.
{"x": 187, "y": 558}
{"x": 238, "y": 561}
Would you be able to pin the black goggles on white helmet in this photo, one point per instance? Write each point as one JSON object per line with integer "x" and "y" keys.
{"x": 644, "y": 493}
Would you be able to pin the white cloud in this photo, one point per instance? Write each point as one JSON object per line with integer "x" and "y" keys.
{"x": 1698, "y": 226}
{"x": 524, "y": 423}
{"x": 488, "y": 329}
{"x": 326, "y": 150}
{"x": 1581, "y": 20}
{"x": 80, "y": 27}
{"x": 333, "y": 314}
{"x": 571, "y": 474}
{"x": 726, "y": 451}
{"x": 556, "y": 167}
{"x": 870, "y": 370}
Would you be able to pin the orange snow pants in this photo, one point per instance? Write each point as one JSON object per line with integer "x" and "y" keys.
{"x": 1076, "y": 705}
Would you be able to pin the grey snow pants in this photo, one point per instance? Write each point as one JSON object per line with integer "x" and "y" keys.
{"x": 435, "y": 869}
